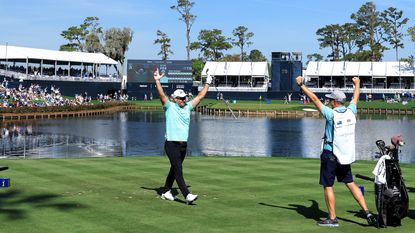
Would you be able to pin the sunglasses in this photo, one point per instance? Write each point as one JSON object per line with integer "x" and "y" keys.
{"x": 181, "y": 98}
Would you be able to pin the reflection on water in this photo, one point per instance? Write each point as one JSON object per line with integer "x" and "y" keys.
{"x": 52, "y": 139}
{"x": 142, "y": 133}
{"x": 231, "y": 137}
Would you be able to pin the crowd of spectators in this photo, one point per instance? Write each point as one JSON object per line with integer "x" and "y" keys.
{"x": 116, "y": 96}
{"x": 35, "y": 72}
{"x": 37, "y": 96}
{"x": 403, "y": 98}
{"x": 34, "y": 96}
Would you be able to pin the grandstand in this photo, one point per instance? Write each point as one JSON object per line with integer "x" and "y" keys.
{"x": 376, "y": 77}
{"x": 72, "y": 72}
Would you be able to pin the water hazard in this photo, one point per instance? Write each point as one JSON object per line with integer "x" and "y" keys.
{"x": 142, "y": 133}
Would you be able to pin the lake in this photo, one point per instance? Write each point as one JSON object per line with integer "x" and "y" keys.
{"x": 142, "y": 133}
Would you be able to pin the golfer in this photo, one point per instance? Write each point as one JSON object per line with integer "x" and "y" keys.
{"x": 338, "y": 150}
{"x": 177, "y": 132}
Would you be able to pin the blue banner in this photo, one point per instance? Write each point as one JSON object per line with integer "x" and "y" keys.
{"x": 4, "y": 182}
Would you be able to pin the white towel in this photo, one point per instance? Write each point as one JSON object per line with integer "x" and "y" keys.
{"x": 380, "y": 170}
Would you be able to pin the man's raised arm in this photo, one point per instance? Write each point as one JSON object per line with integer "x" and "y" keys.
{"x": 356, "y": 92}
{"x": 309, "y": 93}
{"x": 202, "y": 92}
{"x": 157, "y": 76}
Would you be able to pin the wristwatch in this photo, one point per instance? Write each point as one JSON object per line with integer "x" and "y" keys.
{"x": 300, "y": 84}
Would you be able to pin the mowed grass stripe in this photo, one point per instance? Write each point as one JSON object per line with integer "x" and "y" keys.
{"x": 102, "y": 179}
{"x": 236, "y": 195}
{"x": 83, "y": 194}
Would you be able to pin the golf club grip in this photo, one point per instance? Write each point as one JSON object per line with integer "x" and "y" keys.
{"x": 3, "y": 168}
{"x": 365, "y": 177}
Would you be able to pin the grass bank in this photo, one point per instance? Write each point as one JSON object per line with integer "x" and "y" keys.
{"x": 121, "y": 195}
{"x": 296, "y": 106}
{"x": 251, "y": 105}
{"x": 278, "y": 105}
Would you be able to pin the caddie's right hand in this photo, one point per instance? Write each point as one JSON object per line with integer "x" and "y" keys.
{"x": 299, "y": 80}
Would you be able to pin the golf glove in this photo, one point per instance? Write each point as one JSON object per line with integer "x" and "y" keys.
{"x": 209, "y": 79}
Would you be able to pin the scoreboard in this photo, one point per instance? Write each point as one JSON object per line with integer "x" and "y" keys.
{"x": 175, "y": 71}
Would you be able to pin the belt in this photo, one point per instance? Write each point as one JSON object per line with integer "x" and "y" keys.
{"x": 178, "y": 142}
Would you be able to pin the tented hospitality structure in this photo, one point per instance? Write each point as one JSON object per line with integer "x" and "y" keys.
{"x": 72, "y": 72}
{"x": 238, "y": 76}
{"x": 32, "y": 61}
{"x": 382, "y": 77}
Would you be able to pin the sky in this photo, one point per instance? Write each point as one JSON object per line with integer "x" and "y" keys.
{"x": 278, "y": 26}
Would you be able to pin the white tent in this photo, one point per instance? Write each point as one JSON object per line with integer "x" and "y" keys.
{"x": 383, "y": 69}
{"x": 238, "y": 76}
{"x": 257, "y": 69}
{"x": 14, "y": 52}
{"x": 375, "y": 76}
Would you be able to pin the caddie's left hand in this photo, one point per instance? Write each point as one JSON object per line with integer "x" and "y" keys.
{"x": 299, "y": 80}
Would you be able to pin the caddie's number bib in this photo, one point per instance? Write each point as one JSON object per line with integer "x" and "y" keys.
{"x": 344, "y": 136}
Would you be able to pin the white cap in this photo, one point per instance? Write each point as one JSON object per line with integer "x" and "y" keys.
{"x": 179, "y": 93}
{"x": 337, "y": 95}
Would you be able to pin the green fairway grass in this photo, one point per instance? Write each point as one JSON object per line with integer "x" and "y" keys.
{"x": 236, "y": 194}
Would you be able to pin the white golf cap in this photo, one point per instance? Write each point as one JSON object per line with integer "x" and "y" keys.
{"x": 179, "y": 93}
{"x": 337, "y": 95}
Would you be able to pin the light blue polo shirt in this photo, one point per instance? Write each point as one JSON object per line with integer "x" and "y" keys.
{"x": 328, "y": 115}
{"x": 177, "y": 121}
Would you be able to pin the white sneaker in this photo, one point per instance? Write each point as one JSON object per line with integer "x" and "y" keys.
{"x": 190, "y": 198}
{"x": 168, "y": 196}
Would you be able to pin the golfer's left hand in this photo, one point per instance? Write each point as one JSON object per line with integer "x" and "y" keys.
{"x": 209, "y": 79}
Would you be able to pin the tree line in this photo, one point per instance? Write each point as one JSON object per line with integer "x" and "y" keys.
{"x": 370, "y": 33}
{"x": 365, "y": 38}
{"x": 91, "y": 37}
{"x": 211, "y": 44}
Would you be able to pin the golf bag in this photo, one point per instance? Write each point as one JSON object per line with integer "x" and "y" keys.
{"x": 391, "y": 195}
